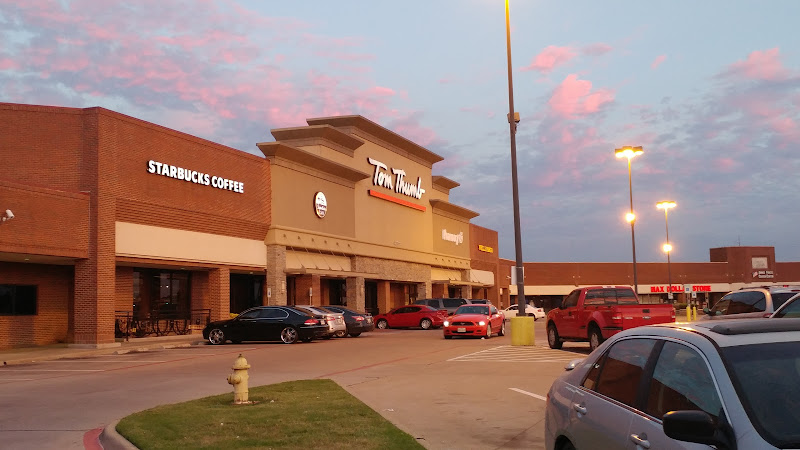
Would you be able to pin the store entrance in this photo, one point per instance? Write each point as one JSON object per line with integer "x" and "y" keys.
{"x": 247, "y": 291}
{"x": 337, "y": 292}
{"x": 371, "y": 297}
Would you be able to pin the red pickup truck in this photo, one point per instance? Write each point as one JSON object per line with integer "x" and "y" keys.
{"x": 596, "y": 313}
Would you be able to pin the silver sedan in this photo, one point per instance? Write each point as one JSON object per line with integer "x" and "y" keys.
{"x": 730, "y": 384}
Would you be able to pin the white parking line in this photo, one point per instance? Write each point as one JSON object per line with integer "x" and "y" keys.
{"x": 52, "y": 370}
{"x": 115, "y": 361}
{"x": 544, "y": 399}
{"x": 505, "y": 353}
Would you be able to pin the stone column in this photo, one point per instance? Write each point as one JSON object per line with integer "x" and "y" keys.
{"x": 424, "y": 290}
{"x": 354, "y": 287}
{"x": 466, "y": 292}
{"x": 276, "y": 276}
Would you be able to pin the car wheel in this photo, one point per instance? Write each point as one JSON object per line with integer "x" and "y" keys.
{"x": 595, "y": 338}
{"x": 382, "y": 324}
{"x": 425, "y": 324}
{"x": 216, "y": 337}
{"x": 489, "y": 331}
{"x": 447, "y": 336}
{"x": 289, "y": 335}
{"x": 340, "y": 334}
{"x": 355, "y": 334}
{"x": 552, "y": 338}
{"x": 502, "y": 331}
{"x": 567, "y": 445}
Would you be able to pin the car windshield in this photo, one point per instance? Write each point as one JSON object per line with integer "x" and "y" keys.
{"x": 473, "y": 309}
{"x": 766, "y": 378}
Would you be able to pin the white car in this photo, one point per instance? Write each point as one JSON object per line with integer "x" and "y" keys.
{"x": 729, "y": 384}
{"x": 537, "y": 313}
{"x": 336, "y": 323}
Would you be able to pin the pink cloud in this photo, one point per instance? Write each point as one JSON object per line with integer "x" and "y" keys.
{"x": 550, "y": 58}
{"x": 574, "y": 97}
{"x": 596, "y": 49}
{"x": 657, "y": 62}
{"x": 7, "y": 64}
{"x": 760, "y": 65}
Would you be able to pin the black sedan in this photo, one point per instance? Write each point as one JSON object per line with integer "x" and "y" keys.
{"x": 266, "y": 323}
{"x": 356, "y": 322}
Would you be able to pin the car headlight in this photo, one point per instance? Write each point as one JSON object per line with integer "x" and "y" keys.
{"x": 481, "y": 323}
{"x": 446, "y": 323}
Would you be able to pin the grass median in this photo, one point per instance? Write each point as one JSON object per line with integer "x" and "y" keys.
{"x": 292, "y": 415}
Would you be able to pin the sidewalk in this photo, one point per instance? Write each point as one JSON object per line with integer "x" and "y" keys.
{"x": 61, "y": 351}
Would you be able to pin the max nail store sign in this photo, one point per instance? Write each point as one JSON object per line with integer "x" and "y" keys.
{"x": 193, "y": 176}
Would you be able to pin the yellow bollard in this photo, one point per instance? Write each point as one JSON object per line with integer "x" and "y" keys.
{"x": 694, "y": 313}
{"x": 522, "y": 331}
{"x": 688, "y": 313}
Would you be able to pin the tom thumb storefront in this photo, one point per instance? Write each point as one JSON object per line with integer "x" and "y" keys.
{"x": 117, "y": 222}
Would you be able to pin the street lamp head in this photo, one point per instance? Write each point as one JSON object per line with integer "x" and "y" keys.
{"x": 630, "y": 217}
{"x": 666, "y": 204}
{"x": 667, "y": 248}
{"x": 628, "y": 152}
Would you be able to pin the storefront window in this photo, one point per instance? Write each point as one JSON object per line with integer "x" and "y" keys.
{"x": 161, "y": 293}
{"x": 17, "y": 300}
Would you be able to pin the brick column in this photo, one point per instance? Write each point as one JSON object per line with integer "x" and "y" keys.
{"x": 276, "y": 275}
{"x": 303, "y": 284}
{"x": 219, "y": 293}
{"x": 384, "y": 296}
{"x": 355, "y": 293}
{"x": 466, "y": 292}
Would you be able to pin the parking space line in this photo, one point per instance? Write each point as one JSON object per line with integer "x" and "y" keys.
{"x": 544, "y": 399}
{"x": 52, "y": 370}
{"x": 115, "y": 361}
{"x": 506, "y": 353}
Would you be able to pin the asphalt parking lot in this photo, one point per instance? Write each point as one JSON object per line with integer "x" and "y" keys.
{"x": 460, "y": 393}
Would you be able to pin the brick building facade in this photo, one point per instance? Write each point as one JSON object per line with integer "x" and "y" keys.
{"x": 117, "y": 216}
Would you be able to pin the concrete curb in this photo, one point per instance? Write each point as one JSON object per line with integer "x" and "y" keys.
{"x": 111, "y": 440}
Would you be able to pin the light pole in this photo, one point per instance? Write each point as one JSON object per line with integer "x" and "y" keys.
{"x": 513, "y": 118}
{"x": 630, "y": 153}
{"x": 666, "y": 205}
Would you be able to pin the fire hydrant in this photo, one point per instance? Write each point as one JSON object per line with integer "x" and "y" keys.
{"x": 239, "y": 379}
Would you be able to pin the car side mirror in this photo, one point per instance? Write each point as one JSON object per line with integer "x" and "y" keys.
{"x": 695, "y": 426}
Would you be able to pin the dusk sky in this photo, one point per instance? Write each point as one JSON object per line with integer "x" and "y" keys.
{"x": 710, "y": 89}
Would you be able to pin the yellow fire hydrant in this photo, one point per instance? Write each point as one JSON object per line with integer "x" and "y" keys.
{"x": 239, "y": 379}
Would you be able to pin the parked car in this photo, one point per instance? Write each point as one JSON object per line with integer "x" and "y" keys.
{"x": 335, "y": 321}
{"x": 791, "y": 308}
{"x": 479, "y": 301}
{"x": 728, "y": 384}
{"x": 448, "y": 304}
{"x": 356, "y": 322}
{"x": 476, "y": 321}
{"x": 750, "y": 302}
{"x": 411, "y": 316}
{"x": 596, "y": 313}
{"x": 530, "y": 310}
{"x": 266, "y": 323}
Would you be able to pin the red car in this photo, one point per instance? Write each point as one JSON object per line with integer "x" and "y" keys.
{"x": 475, "y": 320}
{"x": 411, "y": 316}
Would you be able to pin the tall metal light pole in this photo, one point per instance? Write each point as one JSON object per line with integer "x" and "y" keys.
{"x": 630, "y": 153}
{"x": 666, "y": 205}
{"x": 513, "y": 118}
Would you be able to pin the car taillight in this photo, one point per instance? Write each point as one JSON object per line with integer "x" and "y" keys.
{"x": 358, "y": 318}
{"x": 310, "y": 322}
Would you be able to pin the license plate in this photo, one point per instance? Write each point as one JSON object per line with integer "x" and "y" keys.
{"x": 462, "y": 330}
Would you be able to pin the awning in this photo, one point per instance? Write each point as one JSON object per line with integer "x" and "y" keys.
{"x": 448, "y": 276}
{"x": 483, "y": 277}
{"x": 298, "y": 262}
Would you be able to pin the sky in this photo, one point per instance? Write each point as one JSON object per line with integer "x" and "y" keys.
{"x": 710, "y": 90}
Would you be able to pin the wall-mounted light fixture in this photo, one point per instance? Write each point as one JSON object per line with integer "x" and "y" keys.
{"x": 8, "y": 215}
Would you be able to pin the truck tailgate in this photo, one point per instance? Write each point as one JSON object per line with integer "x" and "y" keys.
{"x": 633, "y": 316}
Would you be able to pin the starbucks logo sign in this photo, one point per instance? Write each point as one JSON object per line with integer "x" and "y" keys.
{"x": 320, "y": 204}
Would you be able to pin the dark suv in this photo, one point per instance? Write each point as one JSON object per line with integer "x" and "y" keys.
{"x": 450, "y": 304}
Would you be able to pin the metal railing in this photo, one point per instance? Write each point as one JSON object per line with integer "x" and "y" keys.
{"x": 127, "y": 324}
